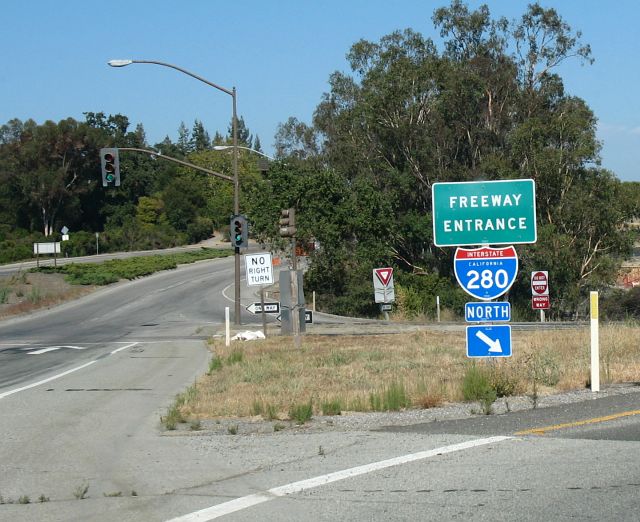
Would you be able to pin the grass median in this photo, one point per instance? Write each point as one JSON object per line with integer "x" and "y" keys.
{"x": 334, "y": 375}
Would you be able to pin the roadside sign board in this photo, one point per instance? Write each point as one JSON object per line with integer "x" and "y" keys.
{"x": 258, "y": 269}
{"x": 46, "y": 248}
{"x": 489, "y": 341}
{"x": 484, "y": 213}
{"x": 487, "y": 312}
{"x": 269, "y": 308}
{"x": 308, "y": 316}
{"x": 383, "y": 288}
{"x": 540, "y": 282}
{"x": 540, "y": 302}
{"x": 486, "y": 273}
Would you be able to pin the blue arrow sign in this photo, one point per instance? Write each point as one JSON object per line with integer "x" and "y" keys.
{"x": 486, "y": 312}
{"x": 486, "y": 273}
{"x": 489, "y": 341}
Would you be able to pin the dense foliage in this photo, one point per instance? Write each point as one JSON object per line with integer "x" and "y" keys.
{"x": 485, "y": 102}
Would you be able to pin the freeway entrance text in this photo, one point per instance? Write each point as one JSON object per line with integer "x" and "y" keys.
{"x": 484, "y": 213}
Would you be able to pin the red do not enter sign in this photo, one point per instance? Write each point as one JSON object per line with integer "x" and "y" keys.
{"x": 540, "y": 283}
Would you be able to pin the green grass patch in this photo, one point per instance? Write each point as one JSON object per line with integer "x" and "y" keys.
{"x": 131, "y": 268}
{"x": 301, "y": 413}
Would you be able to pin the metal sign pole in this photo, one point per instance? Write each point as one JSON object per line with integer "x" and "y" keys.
{"x": 264, "y": 315}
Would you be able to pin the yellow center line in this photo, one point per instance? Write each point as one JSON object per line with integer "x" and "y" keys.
{"x": 544, "y": 430}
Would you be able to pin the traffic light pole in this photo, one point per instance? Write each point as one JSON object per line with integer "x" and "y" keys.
{"x": 236, "y": 178}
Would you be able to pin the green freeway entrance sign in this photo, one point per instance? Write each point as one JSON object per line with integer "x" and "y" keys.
{"x": 484, "y": 212}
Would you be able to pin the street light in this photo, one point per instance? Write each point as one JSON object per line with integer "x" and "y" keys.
{"x": 236, "y": 179}
{"x": 227, "y": 147}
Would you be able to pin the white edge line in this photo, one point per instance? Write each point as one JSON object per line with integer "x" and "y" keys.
{"x": 123, "y": 348}
{"x": 238, "y": 504}
{"x": 49, "y": 379}
{"x": 54, "y": 377}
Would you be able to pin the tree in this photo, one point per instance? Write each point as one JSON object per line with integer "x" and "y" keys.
{"x": 489, "y": 106}
{"x": 51, "y": 166}
{"x": 199, "y": 137}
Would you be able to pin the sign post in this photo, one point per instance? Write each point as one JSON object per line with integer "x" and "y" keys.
{"x": 595, "y": 343}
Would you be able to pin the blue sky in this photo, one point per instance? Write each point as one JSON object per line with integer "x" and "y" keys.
{"x": 278, "y": 54}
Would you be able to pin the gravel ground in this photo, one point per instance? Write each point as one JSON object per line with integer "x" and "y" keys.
{"x": 353, "y": 421}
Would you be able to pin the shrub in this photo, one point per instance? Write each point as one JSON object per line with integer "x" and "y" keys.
{"x": 476, "y": 386}
{"x": 331, "y": 407}
{"x": 236, "y": 356}
{"x": 214, "y": 364}
{"x": 395, "y": 397}
{"x": 301, "y": 413}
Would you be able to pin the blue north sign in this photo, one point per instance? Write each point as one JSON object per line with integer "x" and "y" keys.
{"x": 487, "y": 312}
{"x": 484, "y": 213}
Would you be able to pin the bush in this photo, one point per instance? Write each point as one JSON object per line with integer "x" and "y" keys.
{"x": 301, "y": 413}
{"x": 476, "y": 386}
{"x": 332, "y": 407}
{"x": 622, "y": 305}
{"x": 416, "y": 294}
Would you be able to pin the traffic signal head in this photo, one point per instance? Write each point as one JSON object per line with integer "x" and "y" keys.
{"x": 110, "y": 163}
{"x": 239, "y": 232}
{"x": 288, "y": 222}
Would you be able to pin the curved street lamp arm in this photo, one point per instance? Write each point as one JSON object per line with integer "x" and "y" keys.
{"x": 179, "y": 162}
{"x": 193, "y": 75}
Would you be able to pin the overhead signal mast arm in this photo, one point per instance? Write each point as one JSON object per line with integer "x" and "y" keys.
{"x": 156, "y": 154}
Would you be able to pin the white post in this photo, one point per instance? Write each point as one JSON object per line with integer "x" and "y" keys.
{"x": 542, "y": 315}
{"x": 438, "y": 307}
{"x": 227, "y": 327}
{"x": 314, "y": 300}
{"x": 595, "y": 344}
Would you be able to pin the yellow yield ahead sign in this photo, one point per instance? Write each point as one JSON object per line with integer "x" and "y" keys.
{"x": 484, "y": 213}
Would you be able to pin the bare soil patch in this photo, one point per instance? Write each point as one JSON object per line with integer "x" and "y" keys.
{"x": 26, "y": 292}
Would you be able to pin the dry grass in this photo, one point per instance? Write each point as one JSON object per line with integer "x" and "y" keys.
{"x": 272, "y": 376}
{"x": 26, "y": 292}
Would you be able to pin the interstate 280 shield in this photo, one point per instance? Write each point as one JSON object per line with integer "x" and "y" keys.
{"x": 486, "y": 273}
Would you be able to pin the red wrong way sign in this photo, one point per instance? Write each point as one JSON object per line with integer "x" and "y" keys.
{"x": 539, "y": 283}
{"x": 540, "y": 302}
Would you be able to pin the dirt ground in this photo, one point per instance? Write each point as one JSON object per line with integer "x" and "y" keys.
{"x": 25, "y": 292}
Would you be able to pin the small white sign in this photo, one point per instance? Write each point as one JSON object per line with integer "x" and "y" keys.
{"x": 46, "y": 248}
{"x": 258, "y": 269}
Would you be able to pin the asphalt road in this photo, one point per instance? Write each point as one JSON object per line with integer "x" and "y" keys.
{"x": 83, "y": 386}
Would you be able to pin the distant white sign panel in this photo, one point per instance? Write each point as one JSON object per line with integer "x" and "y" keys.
{"x": 46, "y": 248}
{"x": 258, "y": 269}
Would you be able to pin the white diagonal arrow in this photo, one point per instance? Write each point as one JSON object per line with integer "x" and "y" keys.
{"x": 494, "y": 346}
{"x": 52, "y": 348}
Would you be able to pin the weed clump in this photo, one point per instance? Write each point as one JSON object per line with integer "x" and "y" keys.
{"x": 476, "y": 386}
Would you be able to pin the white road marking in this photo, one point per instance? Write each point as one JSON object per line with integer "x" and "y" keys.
{"x": 57, "y": 376}
{"x": 53, "y": 348}
{"x": 238, "y": 504}
{"x": 123, "y": 348}
{"x": 49, "y": 379}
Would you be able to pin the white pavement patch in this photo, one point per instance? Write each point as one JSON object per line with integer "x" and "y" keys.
{"x": 59, "y": 375}
{"x": 238, "y": 504}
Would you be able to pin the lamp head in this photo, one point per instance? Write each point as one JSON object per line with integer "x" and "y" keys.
{"x": 119, "y": 63}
